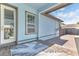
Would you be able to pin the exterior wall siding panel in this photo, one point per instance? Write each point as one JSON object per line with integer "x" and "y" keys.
{"x": 21, "y": 21}
{"x": 47, "y": 26}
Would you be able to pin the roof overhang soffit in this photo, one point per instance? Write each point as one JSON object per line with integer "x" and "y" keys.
{"x": 54, "y": 8}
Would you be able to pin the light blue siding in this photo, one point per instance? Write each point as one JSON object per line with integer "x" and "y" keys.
{"x": 46, "y": 6}
{"x": 47, "y": 26}
{"x": 21, "y": 21}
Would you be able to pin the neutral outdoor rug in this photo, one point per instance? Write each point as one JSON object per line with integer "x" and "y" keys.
{"x": 28, "y": 49}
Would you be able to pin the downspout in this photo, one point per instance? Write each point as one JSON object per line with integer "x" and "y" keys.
{"x": 38, "y": 14}
{"x": 38, "y": 18}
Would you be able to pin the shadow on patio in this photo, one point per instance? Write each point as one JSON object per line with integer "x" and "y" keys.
{"x": 33, "y": 48}
{"x": 53, "y": 41}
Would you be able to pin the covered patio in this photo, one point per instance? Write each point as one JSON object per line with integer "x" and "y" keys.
{"x": 63, "y": 46}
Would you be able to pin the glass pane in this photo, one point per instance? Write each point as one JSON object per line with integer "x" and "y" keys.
{"x": 31, "y": 19}
{"x": 8, "y": 24}
{"x": 9, "y": 17}
{"x": 31, "y": 30}
{"x": 30, "y": 25}
{"x": 8, "y": 33}
{"x": 8, "y": 14}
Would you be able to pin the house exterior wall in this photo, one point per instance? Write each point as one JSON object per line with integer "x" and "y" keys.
{"x": 47, "y": 26}
{"x": 21, "y": 22}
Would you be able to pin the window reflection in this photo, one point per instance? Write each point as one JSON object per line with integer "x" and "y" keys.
{"x": 8, "y": 24}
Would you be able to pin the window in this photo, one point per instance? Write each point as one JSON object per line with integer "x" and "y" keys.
{"x": 30, "y": 23}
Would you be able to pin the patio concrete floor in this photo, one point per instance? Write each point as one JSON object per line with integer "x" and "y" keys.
{"x": 65, "y": 46}
{"x": 70, "y": 44}
{"x": 66, "y": 49}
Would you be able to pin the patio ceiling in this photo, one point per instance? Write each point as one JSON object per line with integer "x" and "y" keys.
{"x": 47, "y": 8}
{"x": 40, "y": 6}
